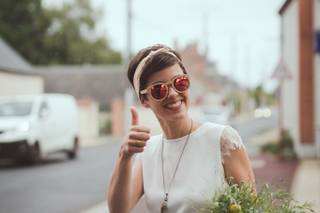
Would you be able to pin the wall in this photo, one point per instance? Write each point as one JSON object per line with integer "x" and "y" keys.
{"x": 290, "y": 92}
{"x": 317, "y": 76}
{"x": 88, "y": 121}
{"x": 15, "y": 84}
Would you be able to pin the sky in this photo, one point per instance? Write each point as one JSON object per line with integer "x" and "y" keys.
{"x": 242, "y": 35}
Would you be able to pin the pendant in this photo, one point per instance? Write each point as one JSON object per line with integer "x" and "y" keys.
{"x": 164, "y": 207}
{"x": 164, "y": 204}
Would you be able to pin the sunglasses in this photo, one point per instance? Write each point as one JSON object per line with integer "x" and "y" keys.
{"x": 160, "y": 90}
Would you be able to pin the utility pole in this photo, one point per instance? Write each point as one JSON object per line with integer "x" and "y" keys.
{"x": 234, "y": 56}
{"x": 247, "y": 65}
{"x": 206, "y": 36}
{"x": 129, "y": 95}
{"x": 129, "y": 31}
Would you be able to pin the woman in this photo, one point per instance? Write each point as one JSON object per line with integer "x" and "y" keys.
{"x": 183, "y": 167}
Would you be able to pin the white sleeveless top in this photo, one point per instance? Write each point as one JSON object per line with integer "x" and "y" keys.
{"x": 200, "y": 173}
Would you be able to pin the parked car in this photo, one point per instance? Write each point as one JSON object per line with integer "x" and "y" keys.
{"x": 33, "y": 126}
{"x": 262, "y": 112}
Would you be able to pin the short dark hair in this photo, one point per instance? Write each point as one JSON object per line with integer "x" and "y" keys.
{"x": 156, "y": 63}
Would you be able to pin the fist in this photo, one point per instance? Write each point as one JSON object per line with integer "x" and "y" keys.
{"x": 137, "y": 137}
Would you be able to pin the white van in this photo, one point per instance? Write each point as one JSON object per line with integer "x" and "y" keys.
{"x": 33, "y": 126}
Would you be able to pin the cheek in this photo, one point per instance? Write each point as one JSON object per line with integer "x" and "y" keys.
{"x": 185, "y": 95}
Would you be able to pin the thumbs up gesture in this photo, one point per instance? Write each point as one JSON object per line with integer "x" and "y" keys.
{"x": 137, "y": 136}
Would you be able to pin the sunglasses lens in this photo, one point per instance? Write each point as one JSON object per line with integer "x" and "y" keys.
{"x": 181, "y": 83}
{"x": 159, "y": 91}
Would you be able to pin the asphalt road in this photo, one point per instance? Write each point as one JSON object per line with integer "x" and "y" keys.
{"x": 70, "y": 186}
{"x": 254, "y": 127}
{"x": 58, "y": 185}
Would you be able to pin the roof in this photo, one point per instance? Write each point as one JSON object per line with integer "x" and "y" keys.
{"x": 11, "y": 61}
{"x": 101, "y": 83}
{"x": 284, "y": 6}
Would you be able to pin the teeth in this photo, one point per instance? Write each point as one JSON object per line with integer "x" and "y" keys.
{"x": 175, "y": 104}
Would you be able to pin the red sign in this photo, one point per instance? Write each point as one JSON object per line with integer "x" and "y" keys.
{"x": 281, "y": 72}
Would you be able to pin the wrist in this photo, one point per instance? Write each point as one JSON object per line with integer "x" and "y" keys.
{"x": 124, "y": 157}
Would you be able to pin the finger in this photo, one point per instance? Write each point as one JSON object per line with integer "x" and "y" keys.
{"x": 134, "y": 149}
{"x": 134, "y": 116}
{"x": 138, "y": 128}
{"x": 137, "y": 143}
{"x": 139, "y": 135}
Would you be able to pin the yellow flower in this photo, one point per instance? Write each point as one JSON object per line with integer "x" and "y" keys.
{"x": 234, "y": 208}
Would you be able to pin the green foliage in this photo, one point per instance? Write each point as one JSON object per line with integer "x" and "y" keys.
{"x": 23, "y": 25}
{"x": 287, "y": 148}
{"x": 288, "y": 151}
{"x": 234, "y": 99}
{"x": 271, "y": 148}
{"x": 241, "y": 199}
{"x": 257, "y": 94}
{"x": 106, "y": 127}
{"x": 261, "y": 97}
{"x": 63, "y": 35}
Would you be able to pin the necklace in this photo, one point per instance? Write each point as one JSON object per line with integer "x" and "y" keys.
{"x": 164, "y": 204}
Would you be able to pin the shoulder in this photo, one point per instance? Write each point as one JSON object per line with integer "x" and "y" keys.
{"x": 213, "y": 128}
{"x": 230, "y": 140}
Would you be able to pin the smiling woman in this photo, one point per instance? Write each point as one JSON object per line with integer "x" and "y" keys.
{"x": 182, "y": 168}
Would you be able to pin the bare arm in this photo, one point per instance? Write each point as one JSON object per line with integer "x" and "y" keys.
{"x": 236, "y": 162}
{"x": 126, "y": 183}
{"x": 125, "y": 186}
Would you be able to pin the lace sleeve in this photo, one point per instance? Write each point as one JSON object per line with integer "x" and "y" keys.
{"x": 230, "y": 140}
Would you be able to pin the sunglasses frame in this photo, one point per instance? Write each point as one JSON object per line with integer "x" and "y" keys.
{"x": 169, "y": 83}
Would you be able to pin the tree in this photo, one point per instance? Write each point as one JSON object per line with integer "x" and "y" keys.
{"x": 261, "y": 97}
{"x": 64, "y": 35}
{"x": 23, "y": 26}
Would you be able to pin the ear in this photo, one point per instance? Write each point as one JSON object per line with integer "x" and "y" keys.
{"x": 144, "y": 102}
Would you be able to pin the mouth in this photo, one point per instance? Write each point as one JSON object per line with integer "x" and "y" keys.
{"x": 173, "y": 105}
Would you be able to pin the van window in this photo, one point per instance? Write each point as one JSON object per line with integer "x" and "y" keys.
{"x": 8, "y": 109}
{"x": 44, "y": 110}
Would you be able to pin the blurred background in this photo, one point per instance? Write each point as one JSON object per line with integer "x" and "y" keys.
{"x": 65, "y": 97}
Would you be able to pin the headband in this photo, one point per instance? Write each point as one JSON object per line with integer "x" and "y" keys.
{"x": 139, "y": 69}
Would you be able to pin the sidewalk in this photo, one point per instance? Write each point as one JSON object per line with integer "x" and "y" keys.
{"x": 306, "y": 183}
{"x": 301, "y": 178}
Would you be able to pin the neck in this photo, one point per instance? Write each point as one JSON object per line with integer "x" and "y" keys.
{"x": 176, "y": 129}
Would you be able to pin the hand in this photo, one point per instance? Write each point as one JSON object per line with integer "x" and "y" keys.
{"x": 136, "y": 138}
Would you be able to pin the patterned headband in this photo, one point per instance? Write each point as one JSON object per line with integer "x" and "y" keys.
{"x": 140, "y": 67}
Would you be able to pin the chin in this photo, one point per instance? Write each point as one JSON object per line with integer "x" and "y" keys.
{"x": 175, "y": 114}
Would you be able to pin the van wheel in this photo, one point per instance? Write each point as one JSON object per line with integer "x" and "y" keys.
{"x": 73, "y": 153}
{"x": 35, "y": 154}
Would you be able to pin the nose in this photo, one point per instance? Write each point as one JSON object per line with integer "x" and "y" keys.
{"x": 172, "y": 92}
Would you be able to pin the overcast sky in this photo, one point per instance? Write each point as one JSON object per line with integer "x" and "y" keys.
{"x": 242, "y": 35}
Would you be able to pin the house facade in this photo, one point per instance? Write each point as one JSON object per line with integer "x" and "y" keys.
{"x": 300, "y": 52}
{"x": 16, "y": 74}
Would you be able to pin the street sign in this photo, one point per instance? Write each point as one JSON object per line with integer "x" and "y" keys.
{"x": 281, "y": 72}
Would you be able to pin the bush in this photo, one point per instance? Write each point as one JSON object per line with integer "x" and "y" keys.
{"x": 241, "y": 199}
{"x": 106, "y": 127}
{"x": 287, "y": 149}
{"x": 270, "y": 147}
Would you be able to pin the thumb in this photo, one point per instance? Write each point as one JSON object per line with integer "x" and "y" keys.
{"x": 134, "y": 116}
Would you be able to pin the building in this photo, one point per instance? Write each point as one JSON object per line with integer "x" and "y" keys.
{"x": 300, "y": 28}
{"x": 16, "y": 74}
{"x": 100, "y": 83}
